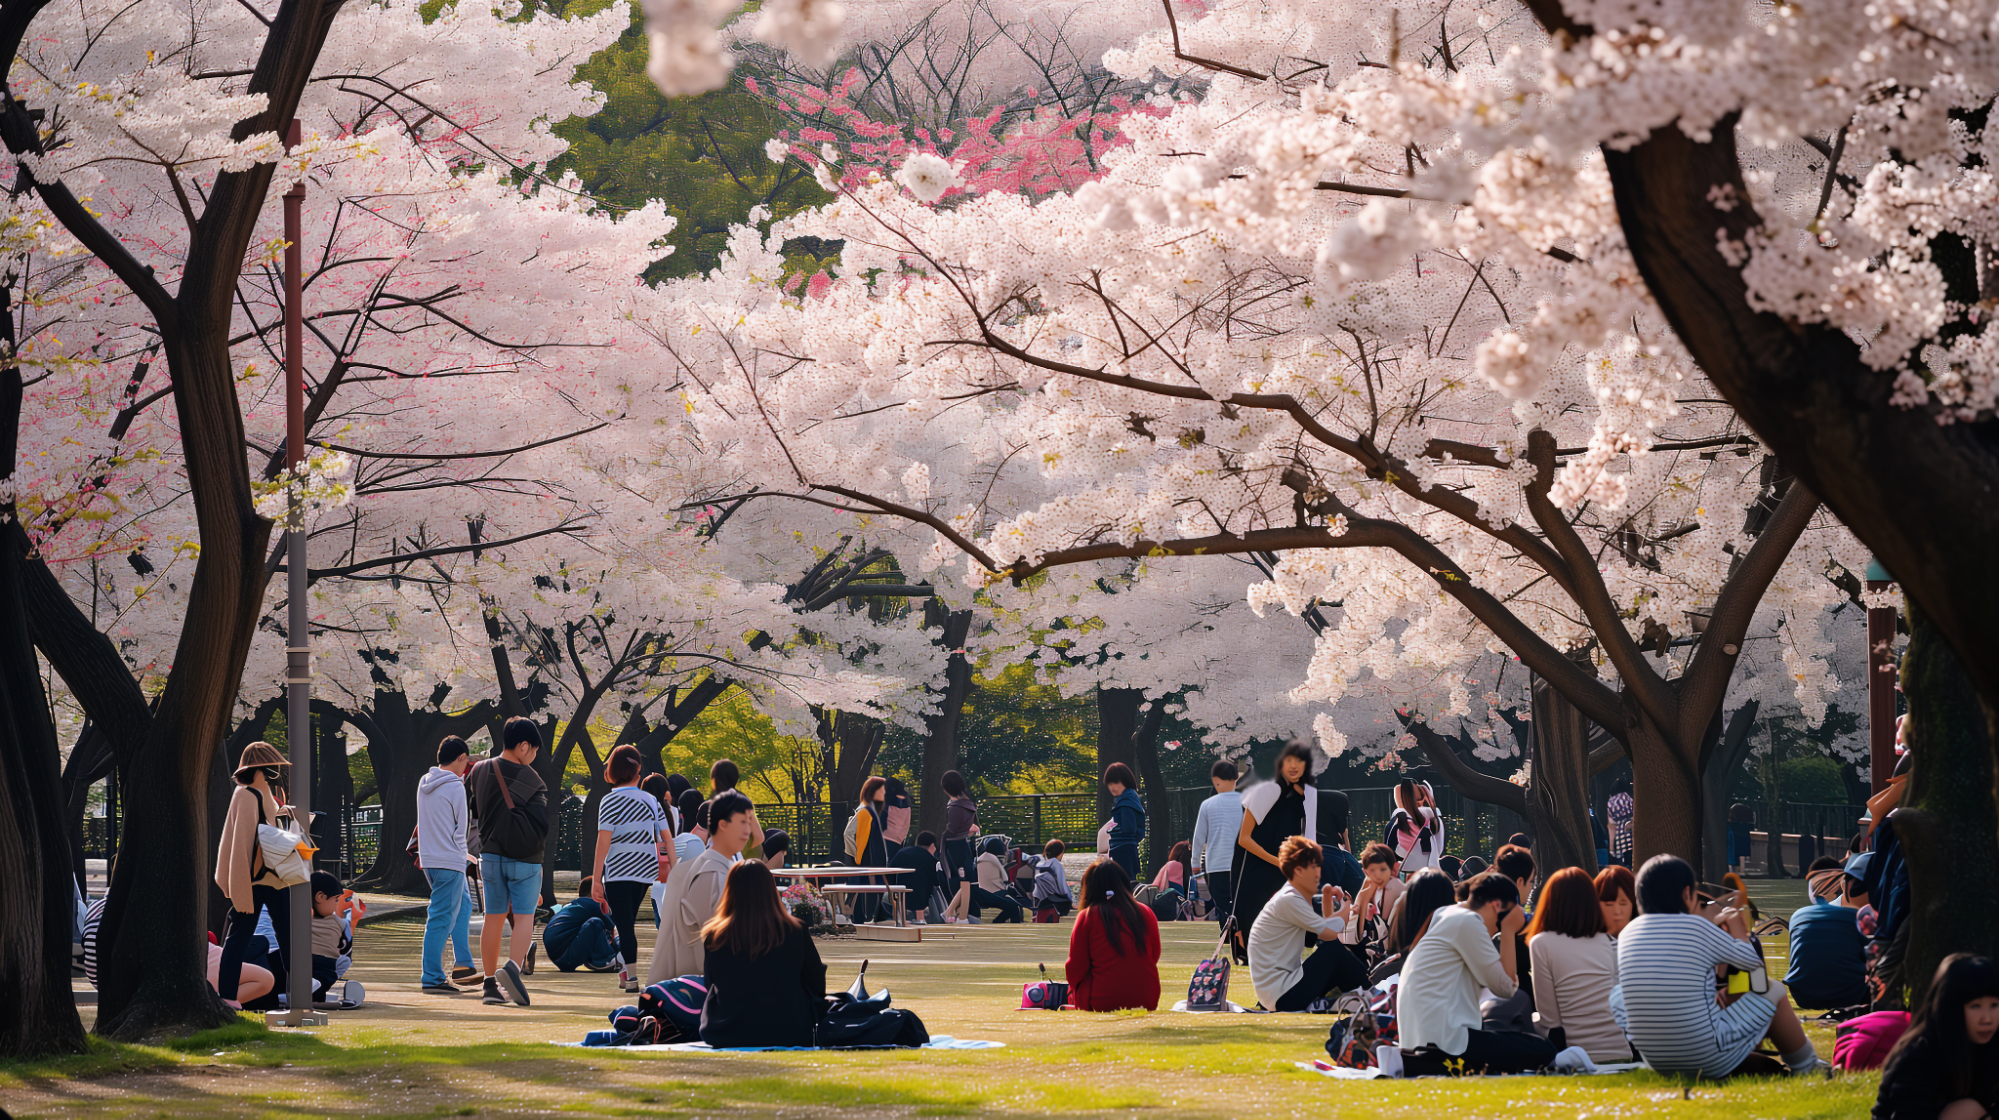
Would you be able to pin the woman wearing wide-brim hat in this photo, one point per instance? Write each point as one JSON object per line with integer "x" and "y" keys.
{"x": 239, "y": 865}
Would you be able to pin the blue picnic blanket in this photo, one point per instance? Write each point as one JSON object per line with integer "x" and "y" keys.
{"x": 937, "y": 1042}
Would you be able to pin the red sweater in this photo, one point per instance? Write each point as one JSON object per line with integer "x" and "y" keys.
{"x": 1105, "y": 979}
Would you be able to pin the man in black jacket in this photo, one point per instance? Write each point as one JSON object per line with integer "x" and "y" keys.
{"x": 513, "y": 829}
{"x": 926, "y": 879}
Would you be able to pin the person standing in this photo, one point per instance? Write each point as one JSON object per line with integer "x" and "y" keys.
{"x": 1416, "y": 829}
{"x": 239, "y": 866}
{"x": 634, "y": 851}
{"x": 440, "y": 846}
{"x": 897, "y": 806}
{"x": 1271, "y": 814}
{"x": 511, "y": 802}
{"x": 868, "y": 848}
{"x": 961, "y": 827}
{"x": 1127, "y": 817}
{"x": 1213, "y": 846}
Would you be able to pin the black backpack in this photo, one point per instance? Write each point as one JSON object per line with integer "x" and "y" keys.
{"x": 517, "y": 829}
{"x": 854, "y": 1019}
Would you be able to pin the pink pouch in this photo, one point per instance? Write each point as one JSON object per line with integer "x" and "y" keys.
{"x": 1863, "y": 1042}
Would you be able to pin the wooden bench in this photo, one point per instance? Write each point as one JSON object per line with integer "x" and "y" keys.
{"x": 845, "y": 892}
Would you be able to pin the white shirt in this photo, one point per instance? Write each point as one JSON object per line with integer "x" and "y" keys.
{"x": 1277, "y": 942}
{"x": 1438, "y": 1002}
{"x": 1573, "y": 977}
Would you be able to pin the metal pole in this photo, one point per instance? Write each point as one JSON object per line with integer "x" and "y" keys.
{"x": 298, "y": 646}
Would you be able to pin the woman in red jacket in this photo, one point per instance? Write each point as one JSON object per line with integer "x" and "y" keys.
{"x": 1114, "y": 947}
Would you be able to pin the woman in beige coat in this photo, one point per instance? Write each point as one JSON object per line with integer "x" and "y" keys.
{"x": 239, "y": 867}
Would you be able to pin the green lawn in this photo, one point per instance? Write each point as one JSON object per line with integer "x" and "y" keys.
{"x": 408, "y": 1054}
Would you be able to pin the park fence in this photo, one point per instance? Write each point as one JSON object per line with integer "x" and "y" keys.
{"x": 1803, "y": 830}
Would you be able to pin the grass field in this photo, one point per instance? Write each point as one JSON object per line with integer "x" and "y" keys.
{"x": 409, "y": 1054}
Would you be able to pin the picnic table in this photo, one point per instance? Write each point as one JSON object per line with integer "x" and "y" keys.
{"x": 844, "y": 892}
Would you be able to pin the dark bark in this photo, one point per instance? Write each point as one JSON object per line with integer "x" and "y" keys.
{"x": 683, "y": 708}
{"x": 848, "y": 743}
{"x": 940, "y": 746}
{"x": 37, "y": 1014}
{"x": 333, "y": 786}
{"x": 1462, "y": 777}
{"x": 1949, "y": 819}
{"x": 1559, "y": 784}
{"x": 91, "y": 761}
{"x": 402, "y": 746}
{"x": 1723, "y": 763}
{"x": 1117, "y": 723}
{"x": 1159, "y": 835}
{"x": 86, "y": 659}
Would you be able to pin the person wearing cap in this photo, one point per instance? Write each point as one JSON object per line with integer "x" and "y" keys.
{"x": 239, "y": 866}
{"x": 1828, "y": 952}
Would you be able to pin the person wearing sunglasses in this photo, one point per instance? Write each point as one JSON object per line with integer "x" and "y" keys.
{"x": 1470, "y": 946}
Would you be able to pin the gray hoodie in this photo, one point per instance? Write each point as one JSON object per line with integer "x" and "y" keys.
{"x": 440, "y": 820}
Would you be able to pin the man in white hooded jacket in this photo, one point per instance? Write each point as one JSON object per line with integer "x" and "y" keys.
{"x": 440, "y": 846}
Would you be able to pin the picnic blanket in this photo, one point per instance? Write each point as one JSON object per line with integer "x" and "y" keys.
{"x": 1233, "y": 1007}
{"x": 937, "y": 1042}
{"x": 1341, "y": 1073}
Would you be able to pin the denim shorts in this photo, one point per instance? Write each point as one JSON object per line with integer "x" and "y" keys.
{"x": 511, "y": 884}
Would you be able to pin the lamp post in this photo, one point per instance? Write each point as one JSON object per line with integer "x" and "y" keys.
{"x": 1880, "y": 681}
{"x": 298, "y": 643}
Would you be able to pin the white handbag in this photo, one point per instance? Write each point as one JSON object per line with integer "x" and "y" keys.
{"x": 287, "y": 856}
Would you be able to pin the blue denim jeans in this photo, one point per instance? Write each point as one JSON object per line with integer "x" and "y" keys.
{"x": 450, "y": 917}
{"x": 512, "y": 885}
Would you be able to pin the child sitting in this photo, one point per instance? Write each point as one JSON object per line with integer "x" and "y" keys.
{"x": 1051, "y": 884}
{"x": 333, "y": 911}
{"x": 580, "y": 935}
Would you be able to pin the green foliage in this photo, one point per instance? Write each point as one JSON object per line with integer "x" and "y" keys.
{"x": 702, "y": 155}
{"x": 733, "y": 728}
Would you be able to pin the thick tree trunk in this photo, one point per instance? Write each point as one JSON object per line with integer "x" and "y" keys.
{"x": 1559, "y": 786}
{"x": 940, "y": 746}
{"x": 1948, "y": 819}
{"x": 333, "y": 787}
{"x": 1723, "y": 763}
{"x": 1117, "y": 723}
{"x": 402, "y": 746}
{"x": 848, "y": 743}
{"x": 1468, "y": 782}
{"x": 37, "y": 1014}
{"x": 90, "y": 761}
{"x": 1665, "y": 791}
{"x": 1158, "y": 800}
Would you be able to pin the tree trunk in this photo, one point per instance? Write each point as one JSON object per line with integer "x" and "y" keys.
{"x": 940, "y": 746}
{"x": 1722, "y": 765}
{"x": 848, "y": 744}
{"x": 1559, "y": 786}
{"x": 1948, "y": 819}
{"x": 1468, "y": 782}
{"x": 1665, "y": 790}
{"x": 90, "y": 761}
{"x": 402, "y": 745}
{"x": 1117, "y": 723}
{"x": 333, "y": 786}
{"x": 37, "y": 1014}
{"x": 1159, "y": 834}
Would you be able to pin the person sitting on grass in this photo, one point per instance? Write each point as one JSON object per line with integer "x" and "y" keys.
{"x": 766, "y": 983}
{"x": 1437, "y": 1006}
{"x": 1515, "y": 1012}
{"x": 1285, "y": 979}
{"x": 694, "y": 889}
{"x": 1427, "y": 892}
{"x": 1665, "y": 998}
{"x": 254, "y": 983}
{"x": 1114, "y": 946}
{"x": 1946, "y": 1066}
{"x": 1368, "y": 913}
{"x": 1617, "y": 895}
{"x": 1575, "y": 963}
{"x": 688, "y": 842}
{"x": 1051, "y": 884}
{"x": 991, "y": 888}
{"x": 582, "y": 935}
{"x": 1828, "y": 952}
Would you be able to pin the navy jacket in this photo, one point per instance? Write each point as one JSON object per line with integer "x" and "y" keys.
{"x": 1128, "y": 817}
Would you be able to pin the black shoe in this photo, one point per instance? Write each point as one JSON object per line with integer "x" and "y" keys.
{"x": 493, "y": 992}
{"x": 444, "y": 988}
{"x": 527, "y": 969}
{"x": 509, "y": 980}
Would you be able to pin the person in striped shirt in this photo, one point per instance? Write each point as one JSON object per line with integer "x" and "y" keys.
{"x": 1667, "y": 961}
{"x": 634, "y": 851}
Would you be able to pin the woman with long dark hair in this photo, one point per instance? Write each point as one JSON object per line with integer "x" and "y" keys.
{"x": 1114, "y": 947}
{"x": 1271, "y": 814}
{"x": 870, "y": 847}
{"x": 961, "y": 830}
{"x": 634, "y": 851}
{"x": 1428, "y": 892}
{"x": 766, "y": 983}
{"x": 1416, "y": 827}
{"x": 1946, "y": 1067}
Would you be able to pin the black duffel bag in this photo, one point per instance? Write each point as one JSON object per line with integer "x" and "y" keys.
{"x": 854, "y": 1019}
